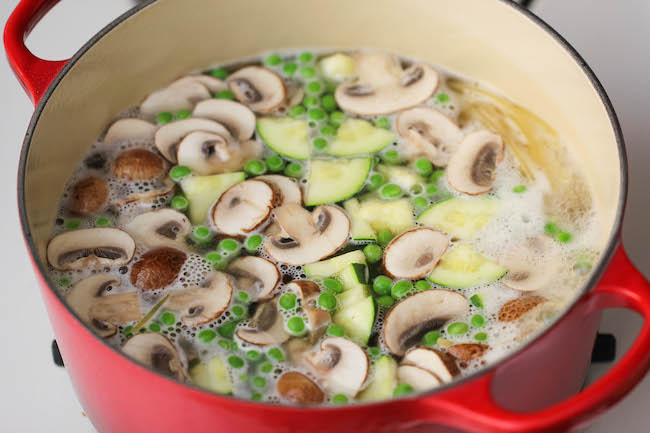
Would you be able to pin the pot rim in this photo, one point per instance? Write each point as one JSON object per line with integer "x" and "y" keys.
{"x": 606, "y": 255}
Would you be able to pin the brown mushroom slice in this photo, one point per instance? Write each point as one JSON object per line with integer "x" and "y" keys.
{"x": 288, "y": 187}
{"x": 88, "y": 196}
{"x": 207, "y": 153}
{"x": 341, "y": 363}
{"x": 472, "y": 168}
{"x": 155, "y": 351}
{"x": 429, "y": 132}
{"x": 244, "y": 207}
{"x": 260, "y": 89}
{"x": 256, "y": 276}
{"x": 157, "y": 268}
{"x": 214, "y": 85}
{"x": 236, "y": 117}
{"x": 513, "y": 310}
{"x": 434, "y": 361}
{"x": 266, "y": 327}
{"x": 102, "y": 313}
{"x": 90, "y": 248}
{"x": 308, "y": 292}
{"x": 467, "y": 351}
{"x": 202, "y": 304}
{"x": 305, "y": 237}
{"x": 138, "y": 164}
{"x": 415, "y": 253}
{"x": 383, "y": 87}
{"x": 409, "y": 319}
{"x": 129, "y": 129}
{"x": 182, "y": 96}
{"x": 160, "y": 228}
{"x": 169, "y": 135}
{"x": 297, "y": 388}
{"x": 420, "y": 379}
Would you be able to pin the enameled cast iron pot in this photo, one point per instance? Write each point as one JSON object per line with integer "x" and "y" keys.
{"x": 492, "y": 40}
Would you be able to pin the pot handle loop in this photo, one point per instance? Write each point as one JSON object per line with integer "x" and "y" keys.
{"x": 34, "y": 74}
{"x": 622, "y": 286}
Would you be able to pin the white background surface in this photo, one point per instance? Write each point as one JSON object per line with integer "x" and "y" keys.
{"x": 35, "y": 396}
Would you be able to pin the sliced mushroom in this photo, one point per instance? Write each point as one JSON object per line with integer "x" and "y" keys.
{"x": 415, "y": 253}
{"x": 207, "y": 153}
{"x": 146, "y": 197}
{"x": 305, "y": 237}
{"x": 157, "y": 268}
{"x": 169, "y": 135}
{"x": 288, "y": 187}
{"x": 214, "y": 85}
{"x": 531, "y": 265}
{"x": 513, "y": 310}
{"x": 383, "y": 87}
{"x": 138, "y": 164}
{"x": 266, "y": 327}
{"x": 236, "y": 117}
{"x": 434, "y": 361}
{"x": 160, "y": 228}
{"x": 308, "y": 292}
{"x": 155, "y": 351}
{"x": 244, "y": 207}
{"x": 429, "y": 132}
{"x": 342, "y": 363}
{"x": 261, "y": 89}
{"x": 419, "y": 378}
{"x": 88, "y": 195}
{"x": 181, "y": 96}
{"x": 102, "y": 313}
{"x": 409, "y": 319}
{"x": 200, "y": 305}
{"x": 299, "y": 389}
{"x": 473, "y": 167}
{"x": 129, "y": 129}
{"x": 256, "y": 276}
{"x": 90, "y": 248}
{"x": 467, "y": 351}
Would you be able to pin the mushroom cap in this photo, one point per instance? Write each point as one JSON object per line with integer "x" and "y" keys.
{"x": 214, "y": 85}
{"x": 181, "y": 96}
{"x": 434, "y": 361}
{"x": 473, "y": 167}
{"x": 200, "y": 305}
{"x": 419, "y": 378}
{"x": 414, "y": 253}
{"x": 244, "y": 207}
{"x": 467, "y": 351}
{"x": 429, "y": 132}
{"x": 299, "y": 389}
{"x": 288, "y": 187}
{"x": 256, "y": 276}
{"x": 88, "y": 195}
{"x": 514, "y": 309}
{"x": 260, "y": 89}
{"x": 168, "y": 136}
{"x": 155, "y": 351}
{"x": 129, "y": 129}
{"x": 138, "y": 164}
{"x": 305, "y": 237}
{"x": 236, "y": 117}
{"x": 266, "y": 327}
{"x": 157, "y": 268}
{"x": 383, "y": 87}
{"x": 207, "y": 153}
{"x": 80, "y": 249}
{"x": 419, "y": 313}
{"x": 160, "y": 228}
{"x": 342, "y": 363}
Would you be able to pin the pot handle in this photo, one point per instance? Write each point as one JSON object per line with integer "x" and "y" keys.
{"x": 34, "y": 74}
{"x": 622, "y": 286}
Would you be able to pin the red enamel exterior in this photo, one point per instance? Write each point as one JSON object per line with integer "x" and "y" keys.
{"x": 536, "y": 390}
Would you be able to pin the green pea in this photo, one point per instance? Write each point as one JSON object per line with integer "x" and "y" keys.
{"x": 316, "y": 114}
{"x": 339, "y": 399}
{"x": 256, "y": 396}
{"x": 391, "y": 191}
{"x": 551, "y": 229}
{"x": 400, "y": 288}
{"x": 307, "y": 72}
{"x": 442, "y": 98}
{"x": 242, "y": 296}
{"x": 457, "y": 328}
{"x": 333, "y": 285}
{"x": 183, "y": 114}
{"x": 235, "y": 361}
{"x": 179, "y": 172}
{"x": 233, "y": 346}
{"x": 219, "y": 73}
{"x": 402, "y": 389}
{"x": 564, "y": 237}
{"x": 420, "y": 202}
{"x": 328, "y": 102}
{"x": 296, "y": 111}
{"x": 336, "y": 330}
{"x": 519, "y": 189}
{"x": 288, "y": 301}
{"x": 384, "y": 237}
{"x": 253, "y": 355}
{"x": 276, "y": 354}
{"x": 225, "y": 94}
{"x": 315, "y": 88}
{"x": 391, "y": 157}
{"x": 377, "y": 180}
{"x": 180, "y": 203}
{"x": 386, "y": 301}
{"x": 327, "y": 301}
{"x": 238, "y": 311}
{"x": 273, "y": 60}
{"x": 213, "y": 257}
{"x": 73, "y": 224}
{"x": 296, "y": 325}
{"x": 275, "y": 163}
{"x": 382, "y": 285}
{"x": 422, "y": 285}
{"x": 154, "y": 327}
{"x": 164, "y": 118}
{"x": 436, "y": 176}
{"x": 254, "y": 242}
{"x": 336, "y": 117}
{"x": 266, "y": 367}
{"x": 255, "y": 167}
{"x": 423, "y": 167}
{"x": 481, "y": 336}
{"x": 293, "y": 169}
{"x": 431, "y": 338}
{"x": 373, "y": 252}
{"x": 102, "y": 222}
{"x": 290, "y": 68}
{"x": 127, "y": 329}
{"x": 168, "y": 318}
{"x": 478, "y": 321}
{"x": 202, "y": 233}
{"x": 416, "y": 189}
{"x": 229, "y": 245}
{"x": 476, "y": 301}
{"x": 320, "y": 143}
{"x": 374, "y": 351}
{"x": 259, "y": 382}
{"x": 305, "y": 57}
{"x": 383, "y": 123}
{"x": 225, "y": 344}
{"x": 328, "y": 130}
{"x": 311, "y": 101}
{"x": 207, "y": 335}
{"x": 431, "y": 190}
{"x": 227, "y": 329}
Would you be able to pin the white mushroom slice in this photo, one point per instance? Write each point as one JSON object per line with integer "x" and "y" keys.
{"x": 175, "y": 98}
{"x": 409, "y": 319}
{"x": 342, "y": 363}
{"x": 160, "y": 228}
{"x": 103, "y": 312}
{"x": 383, "y": 87}
{"x": 207, "y": 153}
{"x": 155, "y": 351}
{"x": 291, "y": 192}
{"x": 531, "y": 265}
{"x": 236, "y": 117}
{"x": 256, "y": 276}
{"x": 415, "y": 253}
{"x": 214, "y": 85}
{"x": 434, "y": 361}
{"x": 473, "y": 167}
{"x": 305, "y": 237}
{"x": 129, "y": 129}
{"x": 90, "y": 248}
{"x": 419, "y": 378}
{"x": 244, "y": 207}
{"x": 308, "y": 292}
{"x": 146, "y": 197}
{"x": 169, "y": 135}
{"x": 266, "y": 327}
{"x": 260, "y": 89}
{"x": 429, "y": 132}
{"x": 199, "y": 305}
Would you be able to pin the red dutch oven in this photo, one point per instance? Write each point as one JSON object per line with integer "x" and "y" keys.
{"x": 537, "y": 389}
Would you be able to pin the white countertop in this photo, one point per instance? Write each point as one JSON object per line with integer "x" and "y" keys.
{"x": 36, "y": 396}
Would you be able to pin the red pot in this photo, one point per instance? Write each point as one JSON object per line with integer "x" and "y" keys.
{"x": 534, "y": 390}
